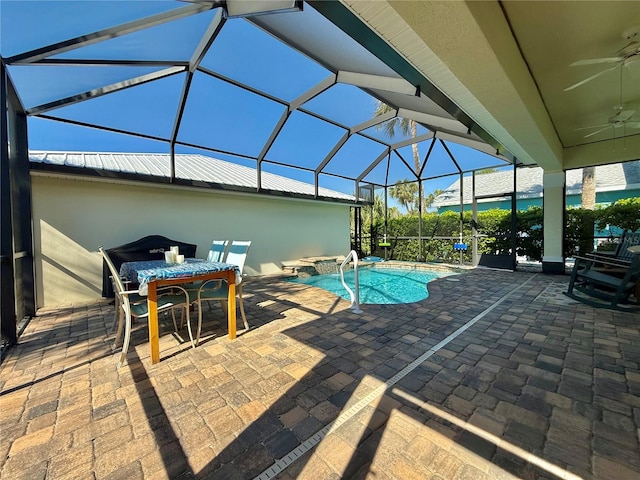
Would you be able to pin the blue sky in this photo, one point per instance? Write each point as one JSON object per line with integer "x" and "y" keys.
{"x": 217, "y": 114}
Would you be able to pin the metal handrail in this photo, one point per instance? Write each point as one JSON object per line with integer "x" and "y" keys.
{"x": 355, "y": 298}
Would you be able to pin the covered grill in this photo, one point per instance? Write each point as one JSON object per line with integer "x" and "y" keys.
{"x": 151, "y": 247}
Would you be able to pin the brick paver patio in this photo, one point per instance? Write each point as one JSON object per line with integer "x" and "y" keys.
{"x": 537, "y": 386}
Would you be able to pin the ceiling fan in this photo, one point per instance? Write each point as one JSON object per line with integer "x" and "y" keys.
{"x": 624, "y": 117}
{"x": 628, "y": 56}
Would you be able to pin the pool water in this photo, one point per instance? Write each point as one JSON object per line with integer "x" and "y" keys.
{"x": 378, "y": 285}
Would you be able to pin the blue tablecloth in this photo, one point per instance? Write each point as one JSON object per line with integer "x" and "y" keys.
{"x": 150, "y": 270}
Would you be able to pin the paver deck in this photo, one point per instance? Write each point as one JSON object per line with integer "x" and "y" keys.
{"x": 495, "y": 375}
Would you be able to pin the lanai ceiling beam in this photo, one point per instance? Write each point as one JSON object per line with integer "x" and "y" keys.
{"x": 406, "y": 163}
{"x": 100, "y": 62}
{"x": 412, "y": 140}
{"x": 426, "y": 157}
{"x": 373, "y": 165}
{"x": 198, "y": 54}
{"x": 434, "y": 121}
{"x": 305, "y": 97}
{"x": 475, "y": 144}
{"x": 98, "y": 92}
{"x": 110, "y": 33}
{"x": 329, "y": 156}
{"x": 377, "y": 82}
{"x": 372, "y": 122}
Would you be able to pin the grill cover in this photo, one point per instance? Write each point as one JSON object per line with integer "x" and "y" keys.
{"x": 151, "y": 247}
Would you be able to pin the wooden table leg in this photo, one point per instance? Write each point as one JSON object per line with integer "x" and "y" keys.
{"x": 154, "y": 336}
{"x": 231, "y": 303}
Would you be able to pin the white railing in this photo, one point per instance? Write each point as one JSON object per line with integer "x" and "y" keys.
{"x": 355, "y": 297}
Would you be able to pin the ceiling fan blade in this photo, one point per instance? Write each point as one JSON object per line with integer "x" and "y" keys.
{"x": 588, "y": 79}
{"x": 594, "y": 61}
{"x": 633, "y": 124}
{"x": 622, "y": 116}
{"x": 591, "y": 127}
{"x": 596, "y": 132}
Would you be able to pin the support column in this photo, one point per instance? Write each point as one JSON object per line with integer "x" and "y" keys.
{"x": 420, "y": 256}
{"x": 553, "y": 203}
{"x": 8, "y": 322}
{"x": 474, "y": 223}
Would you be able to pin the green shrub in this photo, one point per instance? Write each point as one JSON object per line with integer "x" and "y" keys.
{"x": 623, "y": 213}
{"x": 495, "y": 224}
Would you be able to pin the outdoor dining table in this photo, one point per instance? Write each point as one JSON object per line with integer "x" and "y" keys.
{"x": 152, "y": 274}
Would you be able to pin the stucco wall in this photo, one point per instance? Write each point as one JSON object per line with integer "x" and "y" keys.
{"x": 72, "y": 218}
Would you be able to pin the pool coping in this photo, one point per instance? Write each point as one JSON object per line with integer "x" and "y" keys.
{"x": 435, "y": 267}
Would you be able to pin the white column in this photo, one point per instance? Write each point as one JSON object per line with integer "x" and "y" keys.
{"x": 553, "y": 210}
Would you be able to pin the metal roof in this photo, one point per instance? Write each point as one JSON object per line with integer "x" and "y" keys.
{"x": 620, "y": 176}
{"x": 197, "y": 168}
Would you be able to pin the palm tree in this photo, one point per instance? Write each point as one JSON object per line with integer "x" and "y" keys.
{"x": 373, "y": 219}
{"x": 405, "y": 125}
{"x": 588, "y": 203}
{"x": 428, "y": 201}
{"x": 408, "y": 127}
{"x": 589, "y": 188}
{"x": 375, "y": 213}
{"x": 405, "y": 192}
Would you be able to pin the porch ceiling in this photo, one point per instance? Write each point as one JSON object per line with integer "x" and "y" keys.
{"x": 508, "y": 65}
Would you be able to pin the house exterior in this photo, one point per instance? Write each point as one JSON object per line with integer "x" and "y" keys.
{"x": 78, "y": 205}
{"x": 621, "y": 180}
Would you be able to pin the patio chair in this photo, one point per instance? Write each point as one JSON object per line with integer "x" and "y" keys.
{"x": 218, "y": 290}
{"x": 217, "y": 253}
{"x": 622, "y": 252}
{"x": 612, "y": 280}
{"x": 217, "y": 250}
{"x": 130, "y": 304}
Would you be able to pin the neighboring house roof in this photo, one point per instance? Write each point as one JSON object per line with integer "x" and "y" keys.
{"x": 199, "y": 168}
{"x": 615, "y": 177}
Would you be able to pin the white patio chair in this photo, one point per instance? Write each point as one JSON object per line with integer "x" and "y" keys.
{"x": 219, "y": 290}
{"x": 130, "y": 304}
{"x": 217, "y": 250}
{"x": 217, "y": 253}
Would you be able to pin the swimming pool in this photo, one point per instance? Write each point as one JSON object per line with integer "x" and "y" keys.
{"x": 378, "y": 285}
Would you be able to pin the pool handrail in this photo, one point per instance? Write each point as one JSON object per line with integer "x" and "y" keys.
{"x": 355, "y": 298}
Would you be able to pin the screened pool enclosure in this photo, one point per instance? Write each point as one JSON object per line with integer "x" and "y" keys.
{"x": 299, "y": 89}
